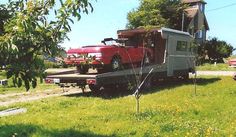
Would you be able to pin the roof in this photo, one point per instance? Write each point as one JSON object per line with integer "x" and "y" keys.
{"x": 174, "y": 31}
{"x": 130, "y": 32}
{"x": 191, "y": 12}
{"x": 193, "y": 1}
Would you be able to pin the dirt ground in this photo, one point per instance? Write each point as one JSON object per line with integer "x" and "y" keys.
{"x": 8, "y": 99}
{"x": 216, "y": 73}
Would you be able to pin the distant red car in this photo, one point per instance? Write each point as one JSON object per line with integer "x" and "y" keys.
{"x": 111, "y": 56}
{"x": 232, "y": 62}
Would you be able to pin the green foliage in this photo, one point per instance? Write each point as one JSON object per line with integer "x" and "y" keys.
{"x": 13, "y": 87}
{"x": 28, "y": 33}
{"x": 49, "y": 64}
{"x": 169, "y": 110}
{"x": 216, "y": 50}
{"x": 4, "y": 15}
{"x": 159, "y": 13}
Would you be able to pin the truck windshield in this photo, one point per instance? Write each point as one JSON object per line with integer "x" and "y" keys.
{"x": 111, "y": 41}
{"x": 129, "y": 41}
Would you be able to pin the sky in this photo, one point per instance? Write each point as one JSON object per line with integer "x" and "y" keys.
{"x": 108, "y": 17}
{"x": 222, "y": 22}
{"x": 111, "y": 15}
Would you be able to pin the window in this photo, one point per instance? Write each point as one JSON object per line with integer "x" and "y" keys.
{"x": 194, "y": 6}
{"x": 193, "y": 47}
{"x": 181, "y": 46}
{"x": 201, "y": 7}
{"x": 200, "y": 34}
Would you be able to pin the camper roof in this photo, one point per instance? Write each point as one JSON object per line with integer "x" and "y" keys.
{"x": 131, "y": 32}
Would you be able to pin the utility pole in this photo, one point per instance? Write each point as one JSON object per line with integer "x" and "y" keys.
{"x": 182, "y": 21}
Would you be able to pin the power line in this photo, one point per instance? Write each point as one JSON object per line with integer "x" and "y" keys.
{"x": 230, "y": 5}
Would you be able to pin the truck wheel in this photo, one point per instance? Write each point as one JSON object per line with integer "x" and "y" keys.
{"x": 82, "y": 69}
{"x": 185, "y": 77}
{"x": 115, "y": 64}
{"x": 94, "y": 88}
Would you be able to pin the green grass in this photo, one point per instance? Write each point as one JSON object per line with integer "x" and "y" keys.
{"x": 168, "y": 110}
{"x": 2, "y": 75}
{"x": 10, "y": 88}
{"x": 217, "y": 67}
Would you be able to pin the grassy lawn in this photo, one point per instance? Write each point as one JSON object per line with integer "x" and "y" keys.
{"x": 167, "y": 110}
{"x": 217, "y": 67}
{"x": 11, "y": 89}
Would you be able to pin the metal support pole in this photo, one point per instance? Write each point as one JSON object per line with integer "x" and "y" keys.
{"x": 195, "y": 83}
{"x": 137, "y": 104}
{"x": 195, "y": 77}
{"x": 182, "y": 21}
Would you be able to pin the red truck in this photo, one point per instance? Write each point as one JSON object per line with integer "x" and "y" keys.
{"x": 112, "y": 55}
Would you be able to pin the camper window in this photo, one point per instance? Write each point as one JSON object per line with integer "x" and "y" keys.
{"x": 193, "y": 47}
{"x": 181, "y": 46}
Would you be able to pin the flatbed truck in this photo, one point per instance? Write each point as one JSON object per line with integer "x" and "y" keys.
{"x": 174, "y": 56}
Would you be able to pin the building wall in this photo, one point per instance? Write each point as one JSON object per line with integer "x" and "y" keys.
{"x": 198, "y": 23}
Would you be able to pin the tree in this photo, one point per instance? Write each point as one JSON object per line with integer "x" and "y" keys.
{"x": 3, "y": 16}
{"x": 216, "y": 49}
{"x": 159, "y": 13}
{"x": 28, "y": 33}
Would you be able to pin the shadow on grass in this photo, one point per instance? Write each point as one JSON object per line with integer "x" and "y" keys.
{"x": 23, "y": 130}
{"x": 113, "y": 92}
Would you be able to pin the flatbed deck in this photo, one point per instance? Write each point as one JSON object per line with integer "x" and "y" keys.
{"x": 74, "y": 75}
{"x": 108, "y": 78}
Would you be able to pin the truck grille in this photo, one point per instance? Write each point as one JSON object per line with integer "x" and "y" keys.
{"x": 83, "y": 56}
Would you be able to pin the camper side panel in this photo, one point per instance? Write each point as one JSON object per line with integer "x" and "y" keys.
{"x": 180, "y": 57}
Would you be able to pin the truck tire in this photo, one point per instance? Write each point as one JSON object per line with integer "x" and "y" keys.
{"x": 185, "y": 77}
{"x": 115, "y": 63}
{"x": 82, "y": 69}
{"x": 94, "y": 88}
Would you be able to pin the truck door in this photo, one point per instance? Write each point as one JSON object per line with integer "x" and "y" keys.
{"x": 170, "y": 58}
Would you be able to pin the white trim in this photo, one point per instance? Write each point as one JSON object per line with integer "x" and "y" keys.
{"x": 174, "y": 31}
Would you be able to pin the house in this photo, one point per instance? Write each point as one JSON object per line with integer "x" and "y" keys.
{"x": 195, "y": 21}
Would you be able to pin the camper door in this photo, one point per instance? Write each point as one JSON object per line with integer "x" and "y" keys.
{"x": 170, "y": 57}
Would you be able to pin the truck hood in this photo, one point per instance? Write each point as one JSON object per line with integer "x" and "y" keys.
{"x": 90, "y": 49}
